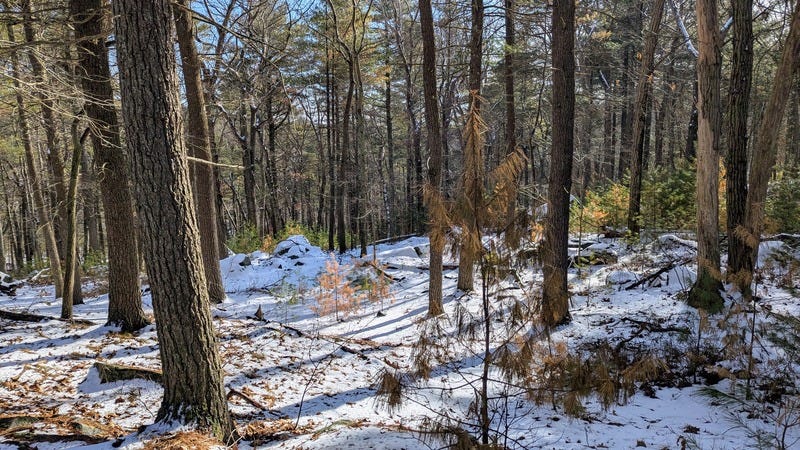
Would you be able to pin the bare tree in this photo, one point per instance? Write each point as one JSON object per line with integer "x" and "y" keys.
{"x": 90, "y": 19}
{"x": 199, "y": 145}
{"x": 705, "y": 292}
{"x": 193, "y": 384}
{"x": 433, "y": 193}
{"x": 555, "y": 297}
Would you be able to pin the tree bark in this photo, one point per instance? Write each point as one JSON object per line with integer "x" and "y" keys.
{"x": 555, "y": 297}
{"x": 473, "y": 174}
{"x": 643, "y": 90}
{"x": 705, "y": 293}
{"x": 198, "y": 141}
{"x": 71, "y": 274}
{"x": 434, "y": 195}
{"x": 89, "y": 18}
{"x": 738, "y": 110}
{"x": 764, "y": 150}
{"x": 193, "y": 383}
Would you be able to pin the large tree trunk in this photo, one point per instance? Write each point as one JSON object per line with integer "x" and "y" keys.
{"x": 124, "y": 296}
{"x": 555, "y": 297}
{"x": 51, "y": 245}
{"x": 706, "y": 291}
{"x": 765, "y": 149}
{"x": 193, "y": 384}
{"x": 643, "y": 90}
{"x": 200, "y": 148}
{"x": 433, "y": 194}
{"x": 738, "y": 110}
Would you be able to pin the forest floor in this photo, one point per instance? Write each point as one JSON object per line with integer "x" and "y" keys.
{"x": 297, "y": 379}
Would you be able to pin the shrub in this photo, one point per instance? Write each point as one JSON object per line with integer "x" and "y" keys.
{"x": 783, "y": 205}
{"x": 244, "y": 240}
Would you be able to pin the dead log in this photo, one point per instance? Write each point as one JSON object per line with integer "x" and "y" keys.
{"x": 31, "y": 317}
{"x": 22, "y": 429}
{"x": 654, "y": 275}
{"x": 110, "y": 373}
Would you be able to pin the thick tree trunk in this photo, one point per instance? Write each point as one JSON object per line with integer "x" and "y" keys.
{"x": 555, "y": 297}
{"x": 765, "y": 150}
{"x": 640, "y": 108}
{"x": 433, "y": 194}
{"x": 736, "y": 125}
{"x": 51, "y": 245}
{"x": 124, "y": 296}
{"x": 193, "y": 384}
{"x": 199, "y": 144}
{"x": 705, "y": 293}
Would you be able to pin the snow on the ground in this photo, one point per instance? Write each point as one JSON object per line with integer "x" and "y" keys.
{"x": 298, "y": 367}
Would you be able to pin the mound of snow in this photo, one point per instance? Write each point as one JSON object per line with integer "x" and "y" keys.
{"x": 620, "y": 277}
{"x": 294, "y": 262}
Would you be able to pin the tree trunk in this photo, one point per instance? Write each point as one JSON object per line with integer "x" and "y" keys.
{"x": 793, "y": 125}
{"x": 555, "y": 297}
{"x": 764, "y": 150}
{"x": 72, "y": 280}
{"x": 124, "y": 296}
{"x": 193, "y": 384}
{"x": 54, "y": 158}
{"x": 391, "y": 227}
{"x": 643, "y": 90}
{"x": 91, "y": 210}
{"x": 738, "y": 110}
{"x": 199, "y": 144}
{"x": 51, "y": 245}
{"x": 433, "y": 189}
{"x": 473, "y": 176}
{"x": 511, "y": 115}
{"x": 705, "y": 293}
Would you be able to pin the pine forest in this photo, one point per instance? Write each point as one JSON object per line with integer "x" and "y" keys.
{"x": 399, "y": 224}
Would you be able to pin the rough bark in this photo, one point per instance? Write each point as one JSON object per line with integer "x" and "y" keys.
{"x": 706, "y": 291}
{"x": 435, "y": 150}
{"x": 643, "y": 92}
{"x": 736, "y": 125}
{"x": 555, "y": 297}
{"x": 764, "y": 150}
{"x": 193, "y": 384}
{"x": 199, "y": 144}
{"x": 31, "y": 165}
{"x": 89, "y": 18}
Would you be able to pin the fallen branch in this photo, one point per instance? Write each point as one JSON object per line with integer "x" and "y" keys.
{"x": 654, "y": 275}
{"x": 115, "y": 372}
{"x": 31, "y": 317}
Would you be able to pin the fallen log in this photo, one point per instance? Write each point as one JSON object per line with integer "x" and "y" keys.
{"x": 110, "y": 373}
{"x": 31, "y": 317}
{"x": 654, "y": 275}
